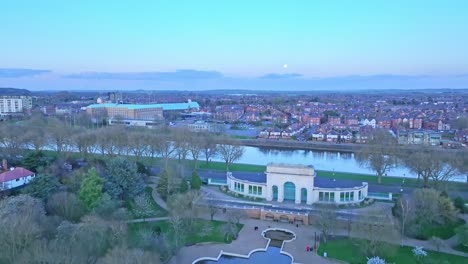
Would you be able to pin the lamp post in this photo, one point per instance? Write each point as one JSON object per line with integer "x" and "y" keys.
{"x": 315, "y": 241}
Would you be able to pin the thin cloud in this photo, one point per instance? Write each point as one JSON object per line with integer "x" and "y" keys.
{"x": 18, "y": 73}
{"x": 163, "y": 76}
{"x": 276, "y": 76}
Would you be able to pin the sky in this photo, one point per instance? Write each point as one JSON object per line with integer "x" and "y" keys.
{"x": 264, "y": 45}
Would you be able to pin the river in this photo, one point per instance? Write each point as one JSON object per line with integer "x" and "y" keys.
{"x": 321, "y": 160}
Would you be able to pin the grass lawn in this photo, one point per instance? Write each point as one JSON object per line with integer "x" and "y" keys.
{"x": 444, "y": 232}
{"x": 156, "y": 210}
{"x": 346, "y": 250}
{"x": 215, "y": 165}
{"x": 461, "y": 248}
{"x": 216, "y": 234}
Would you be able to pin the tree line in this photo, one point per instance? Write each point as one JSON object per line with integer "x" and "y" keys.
{"x": 434, "y": 167}
{"x": 52, "y": 134}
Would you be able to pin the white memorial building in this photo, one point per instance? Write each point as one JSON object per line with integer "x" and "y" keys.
{"x": 296, "y": 183}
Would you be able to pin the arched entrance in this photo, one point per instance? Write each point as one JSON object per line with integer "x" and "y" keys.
{"x": 303, "y": 195}
{"x": 274, "y": 190}
{"x": 289, "y": 191}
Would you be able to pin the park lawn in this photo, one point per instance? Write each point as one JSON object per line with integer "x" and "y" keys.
{"x": 444, "y": 231}
{"x": 216, "y": 165}
{"x": 216, "y": 234}
{"x": 156, "y": 210}
{"x": 461, "y": 248}
{"x": 344, "y": 249}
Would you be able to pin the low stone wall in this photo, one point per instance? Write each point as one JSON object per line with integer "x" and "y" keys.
{"x": 284, "y": 217}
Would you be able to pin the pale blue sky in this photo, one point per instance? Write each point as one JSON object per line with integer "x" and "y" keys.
{"x": 227, "y": 44}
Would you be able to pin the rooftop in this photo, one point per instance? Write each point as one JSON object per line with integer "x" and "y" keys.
{"x": 288, "y": 165}
{"x": 14, "y": 174}
{"x": 171, "y": 106}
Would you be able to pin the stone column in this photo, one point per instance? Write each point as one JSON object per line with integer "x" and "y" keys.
{"x": 298, "y": 195}
{"x": 268, "y": 192}
{"x": 310, "y": 198}
{"x": 280, "y": 193}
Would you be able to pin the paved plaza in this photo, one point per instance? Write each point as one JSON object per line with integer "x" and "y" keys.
{"x": 250, "y": 239}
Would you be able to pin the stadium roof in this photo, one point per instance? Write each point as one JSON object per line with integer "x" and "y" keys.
{"x": 165, "y": 107}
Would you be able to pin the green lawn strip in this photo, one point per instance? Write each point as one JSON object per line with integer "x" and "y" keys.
{"x": 156, "y": 210}
{"x": 461, "y": 248}
{"x": 221, "y": 166}
{"x": 444, "y": 231}
{"x": 346, "y": 250}
{"x": 216, "y": 234}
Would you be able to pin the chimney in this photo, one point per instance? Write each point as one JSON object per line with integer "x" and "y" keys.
{"x": 5, "y": 164}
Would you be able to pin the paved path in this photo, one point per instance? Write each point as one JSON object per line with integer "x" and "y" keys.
{"x": 155, "y": 193}
{"x": 153, "y": 219}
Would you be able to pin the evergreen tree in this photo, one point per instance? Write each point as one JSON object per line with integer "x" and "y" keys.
{"x": 196, "y": 181}
{"x": 42, "y": 186}
{"x": 123, "y": 179}
{"x": 163, "y": 185}
{"x": 183, "y": 188}
{"x": 91, "y": 189}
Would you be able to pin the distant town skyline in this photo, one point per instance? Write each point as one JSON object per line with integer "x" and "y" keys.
{"x": 260, "y": 45}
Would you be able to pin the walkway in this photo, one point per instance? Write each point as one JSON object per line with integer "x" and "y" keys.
{"x": 155, "y": 193}
{"x": 153, "y": 219}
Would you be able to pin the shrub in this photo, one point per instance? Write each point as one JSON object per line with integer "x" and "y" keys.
{"x": 375, "y": 260}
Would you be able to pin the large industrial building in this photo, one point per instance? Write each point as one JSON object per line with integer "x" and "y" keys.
{"x": 142, "y": 112}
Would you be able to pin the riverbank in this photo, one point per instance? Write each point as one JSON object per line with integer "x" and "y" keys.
{"x": 323, "y": 146}
{"x": 293, "y": 144}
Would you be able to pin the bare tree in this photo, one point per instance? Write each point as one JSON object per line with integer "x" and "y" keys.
{"x": 59, "y": 135}
{"x": 213, "y": 210}
{"x": 209, "y": 148}
{"x": 21, "y": 219}
{"x": 181, "y": 141}
{"x": 124, "y": 255}
{"x": 379, "y": 154}
{"x": 230, "y": 153}
{"x": 326, "y": 221}
{"x": 138, "y": 143}
{"x": 374, "y": 233}
{"x": 66, "y": 205}
{"x": 166, "y": 150}
{"x": 196, "y": 146}
{"x": 406, "y": 209}
{"x": 35, "y": 137}
{"x": 10, "y": 139}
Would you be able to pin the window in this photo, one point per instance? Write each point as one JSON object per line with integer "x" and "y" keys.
{"x": 342, "y": 196}
{"x": 326, "y": 196}
{"x": 320, "y": 196}
{"x": 242, "y": 187}
{"x": 332, "y": 197}
{"x": 360, "y": 195}
{"x": 352, "y": 196}
{"x": 250, "y": 189}
{"x": 259, "y": 190}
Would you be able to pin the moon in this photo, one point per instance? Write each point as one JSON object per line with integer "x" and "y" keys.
{"x": 285, "y": 66}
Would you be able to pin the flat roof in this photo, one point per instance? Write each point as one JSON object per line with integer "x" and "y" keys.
{"x": 171, "y": 106}
{"x": 289, "y": 165}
